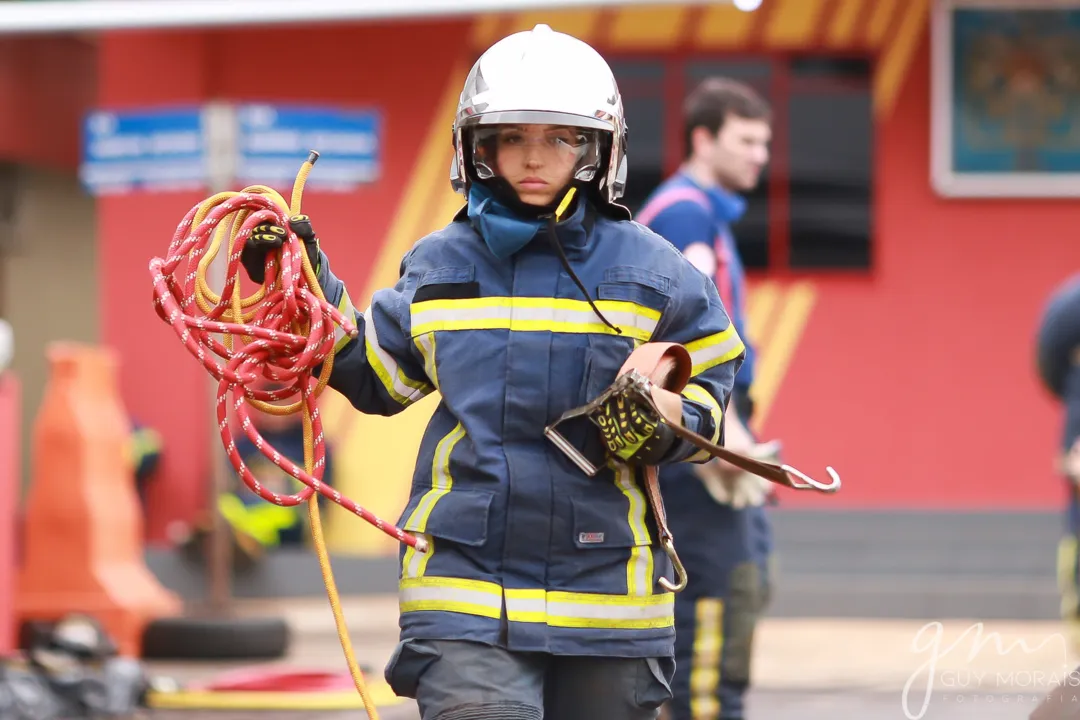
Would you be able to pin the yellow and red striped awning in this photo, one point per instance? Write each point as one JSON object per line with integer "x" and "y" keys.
{"x": 886, "y": 29}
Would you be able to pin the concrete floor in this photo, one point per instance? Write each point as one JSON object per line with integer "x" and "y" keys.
{"x": 803, "y": 669}
{"x": 764, "y": 705}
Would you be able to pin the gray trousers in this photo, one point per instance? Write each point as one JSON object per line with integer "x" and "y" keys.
{"x": 460, "y": 680}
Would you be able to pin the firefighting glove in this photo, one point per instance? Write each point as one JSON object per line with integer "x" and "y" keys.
{"x": 268, "y": 237}
{"x": 738, "y": 488}
{"x": 632, "y": 432}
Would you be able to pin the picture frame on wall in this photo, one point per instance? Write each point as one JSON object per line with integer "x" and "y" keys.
{"x": 1005, "y": 98}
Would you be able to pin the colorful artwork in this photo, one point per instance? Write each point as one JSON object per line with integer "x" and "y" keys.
{"x": 1007, "y": 99}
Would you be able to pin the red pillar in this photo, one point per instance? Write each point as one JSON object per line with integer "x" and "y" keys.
{"x": 162, "y": 385}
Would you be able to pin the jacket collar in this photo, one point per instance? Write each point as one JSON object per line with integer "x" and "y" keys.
{"x": 727, "y": 206}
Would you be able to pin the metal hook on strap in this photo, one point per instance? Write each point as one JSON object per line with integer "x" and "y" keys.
{"x": 676, "y": 563}
{"x": 809, "y": 483}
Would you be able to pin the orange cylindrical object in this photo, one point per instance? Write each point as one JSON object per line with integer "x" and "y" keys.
{"x": 83, "y": 546}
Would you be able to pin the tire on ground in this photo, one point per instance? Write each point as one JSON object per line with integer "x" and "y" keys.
{"x": 186, "y": 638}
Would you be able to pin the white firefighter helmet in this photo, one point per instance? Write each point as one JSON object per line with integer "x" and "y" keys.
{"x": 545, "y": 77}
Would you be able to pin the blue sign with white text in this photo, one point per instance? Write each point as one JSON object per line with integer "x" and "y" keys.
{"x": 274, "y": 140}
{"x": 159, "y": 150}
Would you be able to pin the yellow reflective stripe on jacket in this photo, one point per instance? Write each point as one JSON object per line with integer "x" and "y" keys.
{"x": 712, "y": 350}
{"x": 639, "y": 569}
{"x": 472, "y": 597}
{"x": 701, "y": 395}
{"x": 346, "y": 307}
{"x": 414, "y": 563}
{"x": 589, "y": 610}
{"x": 529, "y": 314}
{"x": 400, "y": 387}
{"x": 426, "y": 344}
{"x": 552, "y": 608}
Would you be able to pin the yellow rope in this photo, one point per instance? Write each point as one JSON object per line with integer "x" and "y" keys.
{"x": 242, "y": 311}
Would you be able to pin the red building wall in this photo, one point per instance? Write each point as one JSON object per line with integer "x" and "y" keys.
{"x": 379, "y": 66}
{"x": 917, "y": 382}
{"x": 46, "y": 84}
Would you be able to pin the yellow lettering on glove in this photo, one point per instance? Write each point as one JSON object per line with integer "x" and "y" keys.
{"x": 624, "y": 427}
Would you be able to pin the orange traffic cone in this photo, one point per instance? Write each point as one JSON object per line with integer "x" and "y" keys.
{"x": 83, "y": 549}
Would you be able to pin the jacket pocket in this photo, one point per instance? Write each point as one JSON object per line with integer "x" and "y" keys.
{"x": 447, "y": 283}
{"x": 648, "y": 294}
{"x": 639, "y": 286}
{"x": 654, "y": 677}
{"x": 604, "y": 355}
{"x": 604, "y": 523}
{"x": 409, "y": 661}
{"x": 425, "y": 317}
{"x": 603, "y": 358}
{"x": 457, "y": 515}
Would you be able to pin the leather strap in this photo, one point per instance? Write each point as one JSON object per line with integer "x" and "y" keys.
{"x": 668, "y": 367}
{"x": 662, "y": 370}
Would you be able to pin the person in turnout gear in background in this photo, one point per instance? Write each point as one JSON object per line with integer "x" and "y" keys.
{"x": 257, "y": 527}
{"x": 716, "y": 510}
{"x": 1058, "y": 364}
{"x": 540, "y": 595}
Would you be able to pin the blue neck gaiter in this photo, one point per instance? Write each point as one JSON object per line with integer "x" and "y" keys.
{"x": 503, "y": 231}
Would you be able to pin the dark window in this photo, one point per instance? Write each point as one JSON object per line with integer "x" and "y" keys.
{"x": 642, "y": 86}
{"x": 812, "y": 208}
{"x": 830, "y": 151}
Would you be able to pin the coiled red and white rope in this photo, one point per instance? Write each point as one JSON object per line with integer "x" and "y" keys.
{"x": 282, "y": 334}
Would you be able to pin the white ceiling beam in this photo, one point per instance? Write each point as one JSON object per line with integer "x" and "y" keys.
{"x": 62, "y": 16}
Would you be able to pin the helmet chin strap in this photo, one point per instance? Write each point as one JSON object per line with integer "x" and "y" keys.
{"x": 553, "y": 212}
{"x": 553, "y": 220}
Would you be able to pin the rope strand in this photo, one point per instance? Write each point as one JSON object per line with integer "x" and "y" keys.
{"x": 281, "y": 333}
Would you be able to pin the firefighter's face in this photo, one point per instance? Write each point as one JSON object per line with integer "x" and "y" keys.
{"x": 538, "y": 160}
{"x": 739, "y": 152}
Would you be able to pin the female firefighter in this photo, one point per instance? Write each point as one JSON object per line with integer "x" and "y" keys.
{"x": 539, "y": 595}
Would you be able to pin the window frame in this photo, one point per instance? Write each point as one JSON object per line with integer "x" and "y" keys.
{"x": 675, "y": 62}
